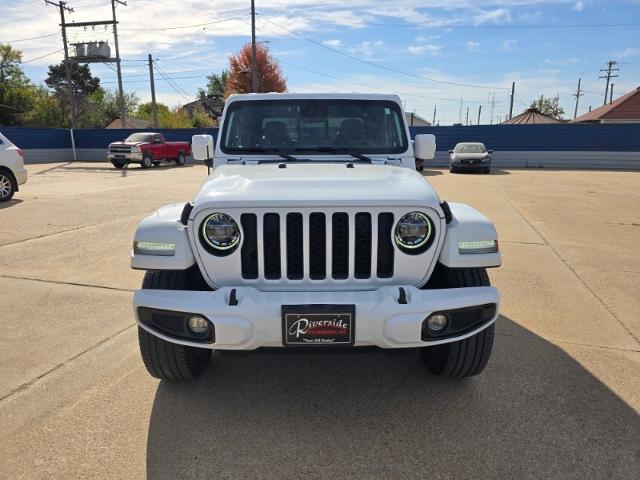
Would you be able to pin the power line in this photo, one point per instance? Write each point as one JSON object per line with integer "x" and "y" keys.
{"x": 195, "y": 25}
{"x": 42, "y": 56}
{"x": 30, "y": 38}
{"x": 367, "y": 62}
{"x": 172, "y": 84}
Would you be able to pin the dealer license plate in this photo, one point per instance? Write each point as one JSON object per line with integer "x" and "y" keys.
{"x": 327, "y": 325}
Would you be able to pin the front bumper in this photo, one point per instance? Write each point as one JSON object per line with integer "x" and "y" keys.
{"x": 255, "y": 321}
{"x": 476, "y": 165}
{"x": 125, "y": 157}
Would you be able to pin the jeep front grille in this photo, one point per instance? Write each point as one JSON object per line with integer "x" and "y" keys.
{"x": 317, "y": 246}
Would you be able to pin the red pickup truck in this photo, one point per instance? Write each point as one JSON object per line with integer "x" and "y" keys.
{"x": 147, "y": 149}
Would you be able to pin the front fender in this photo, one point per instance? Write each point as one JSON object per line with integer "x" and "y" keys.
{"x": 468, "y": 225}
{"x": 164, "y": 226}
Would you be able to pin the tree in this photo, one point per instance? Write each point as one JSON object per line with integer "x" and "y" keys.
{"x": 217, "y": 83}
{"x": 270, "y": 78}
{"x": 549, "y": 106}
{"x": 46, "y": 110}
{"x": 82, "y": 82}
{"x": 16, "y": 91}
{"x": 167, "y": 118}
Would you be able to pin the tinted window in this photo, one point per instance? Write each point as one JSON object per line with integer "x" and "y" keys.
{"x": 304, "y": 125}
{"x": 139, "y": 137}
{"x": 470, "y": 148}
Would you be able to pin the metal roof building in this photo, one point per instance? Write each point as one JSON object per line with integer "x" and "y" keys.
{"x": 531, "y": 116}
{"x": 625, "y": 109}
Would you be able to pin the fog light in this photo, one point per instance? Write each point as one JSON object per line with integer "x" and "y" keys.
{"x": 198, "y": 324}
{"x": 437, "y": 322}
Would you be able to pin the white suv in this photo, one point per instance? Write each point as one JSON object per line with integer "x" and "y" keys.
{"x": 12, "y": 171}
{"x": 314, "y": 231}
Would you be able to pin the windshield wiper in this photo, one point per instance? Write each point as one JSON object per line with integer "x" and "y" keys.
{"x": 336, "y": 150}
{"x": 274, "y": 151}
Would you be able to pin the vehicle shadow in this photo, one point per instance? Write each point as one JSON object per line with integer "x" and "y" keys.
{"x": 10, "y": 203}
{"x": 533, "y": 413}
{"x": 431, "y": 173}
{"x": 494, "y": 171}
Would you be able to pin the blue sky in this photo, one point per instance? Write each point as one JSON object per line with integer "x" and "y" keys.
{"x": 429, "y": 52}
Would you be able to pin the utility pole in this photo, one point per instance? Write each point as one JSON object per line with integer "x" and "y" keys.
{"x": 493, "y": 104}
{"x": 154, "y": 107}
{"x": 254, "y": 66}
{"x": 578, "y": 94}
{"x": 115, "y": 38}
{"x": 460, "y": 112}
{"x": 513, "y": 93}
{"x": 609, "y": 74}
{"x": 62, "y": 6}
{"x": 611, "y": 93}
{"x": 435, "y": 107}
{"x": 467, "y": 121}
{"x": 479, "y": 112}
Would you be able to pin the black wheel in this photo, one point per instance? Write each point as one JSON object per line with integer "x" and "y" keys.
{"x": 468, "y": 357}
{"x": 7, "y": 185}
{"x": 166, "y": 360}
{"x": 118, "y": 165}
{"x": 180, "y": 159}
{"x": 487, "y": 170}
{"x": 452, "y": 170}
{"x": 147, "y": 161}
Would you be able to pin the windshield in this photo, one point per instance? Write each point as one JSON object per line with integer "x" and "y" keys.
{"x": 314, "y": 126}
{"x": 470, "y": 148}
{"x": 139, "y": 137}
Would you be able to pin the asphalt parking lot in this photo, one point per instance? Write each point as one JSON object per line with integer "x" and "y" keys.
{"x": 560, "y": 397}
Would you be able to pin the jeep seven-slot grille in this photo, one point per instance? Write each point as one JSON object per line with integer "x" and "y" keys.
{"x": 311, "y": 235}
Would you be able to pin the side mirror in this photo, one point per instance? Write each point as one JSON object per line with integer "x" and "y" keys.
{"x": 156, "y": 140}
{"x": 490, "y": 151}
{"x": 424, "y": 146}
{"x": 450, "y": 151}
{"x": 202, "y": 147}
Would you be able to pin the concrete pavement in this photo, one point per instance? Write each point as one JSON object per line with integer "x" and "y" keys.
{"x": 560, "y": 397}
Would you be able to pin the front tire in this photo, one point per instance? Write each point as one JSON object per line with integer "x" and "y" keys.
{"x": 147, "y": 161}
{"x": 118, "y": 165}
{"x": 7, "y": 186}
{"x": 468, "y": 357}
{"x": 166, "y": 360}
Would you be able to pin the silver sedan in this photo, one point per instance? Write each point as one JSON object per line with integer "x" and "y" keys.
{"x": 470, "y": 156}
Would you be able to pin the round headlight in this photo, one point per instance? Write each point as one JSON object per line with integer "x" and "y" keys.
{"x": 220, "y": 231}
{"x": 413, "y": 232}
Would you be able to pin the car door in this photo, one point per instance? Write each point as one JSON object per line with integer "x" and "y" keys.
{"x": 159, "y": 147}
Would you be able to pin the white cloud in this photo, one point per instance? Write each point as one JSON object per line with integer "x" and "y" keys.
{"x": 428, "y": 49}
{"x": 509, "y": 44}
{"x": 493, "y": 16}
{"x": 366, "y": 49}
{"x": 333, "y": 43}
{"x": 472, "y": 46}
{"x": 627, "y": 52}
{"x": 579, "y": 6}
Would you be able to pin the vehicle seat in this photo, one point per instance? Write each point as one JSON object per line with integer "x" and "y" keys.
{"x": 351, "y": 132}
{"x": 275, "y": 134}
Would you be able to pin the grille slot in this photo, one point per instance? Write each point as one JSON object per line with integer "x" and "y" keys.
{"x": 295, "y": 262}
{"x": 340, "y": 250}
{"x": 317, "y": 246}
{"x": 249, "y": 251}
{"x": 362, "y": 261}
{"x": 271, "y": 245}
{"x": 385, "y": 247}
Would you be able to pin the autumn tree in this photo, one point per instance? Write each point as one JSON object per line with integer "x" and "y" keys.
{"x": 270, "y": 78}
{"x": 549, "y": 106}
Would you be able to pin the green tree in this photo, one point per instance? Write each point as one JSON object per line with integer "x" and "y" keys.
{"x": 46, "y": 111}
{"x": 16, "y": 91}
{"x": 202, "y": 120}
{"x": 217, "y": 83}
{"x": 82, "y": 82}
{"x": 549, "y": 106}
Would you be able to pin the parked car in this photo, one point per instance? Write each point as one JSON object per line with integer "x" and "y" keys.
{"x": 12, "y": 171}
{"x": 147, "y": 149}
{"x": 470, "y": 156}
{"x": 315, "y": 231}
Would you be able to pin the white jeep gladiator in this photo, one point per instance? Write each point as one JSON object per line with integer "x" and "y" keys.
{"x": 314, "y": 231}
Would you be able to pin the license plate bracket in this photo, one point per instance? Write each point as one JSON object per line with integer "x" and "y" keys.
{"x": 318, "y": 325}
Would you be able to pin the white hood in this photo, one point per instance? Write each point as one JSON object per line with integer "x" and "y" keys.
{"x": 315, "y": 184}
